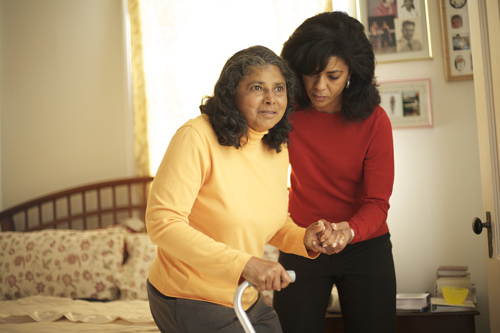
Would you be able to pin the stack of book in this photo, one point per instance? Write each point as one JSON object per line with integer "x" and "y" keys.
{"x": 412, "y": 302}
{"x": 453, "y": 276}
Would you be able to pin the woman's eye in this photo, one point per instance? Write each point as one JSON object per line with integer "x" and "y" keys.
{"x": 280, "y": 89}
{"x": 256, "y": 88}
{"x": 333, "y": 77}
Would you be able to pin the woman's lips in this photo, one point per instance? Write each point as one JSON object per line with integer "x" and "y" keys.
{"x": 319, "y": 98}
{"x": 268, "y": 113}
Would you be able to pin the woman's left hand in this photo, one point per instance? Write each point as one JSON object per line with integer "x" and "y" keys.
{"x": 318, "y": 236}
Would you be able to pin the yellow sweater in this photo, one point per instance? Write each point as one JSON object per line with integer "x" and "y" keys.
{"x": 211, "y": 208}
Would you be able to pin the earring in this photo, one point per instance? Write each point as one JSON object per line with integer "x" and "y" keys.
{"x": 348, "y": 84}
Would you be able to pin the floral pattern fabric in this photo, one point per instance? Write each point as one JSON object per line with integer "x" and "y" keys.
{"x": 64, "y": 263}
{"x": 81, "y": 264}
{"x": 132, "y": 276}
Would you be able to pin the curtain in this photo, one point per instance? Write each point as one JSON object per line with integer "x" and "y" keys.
{"x": 139, "y": 102}
{"x": 180, "y": 46}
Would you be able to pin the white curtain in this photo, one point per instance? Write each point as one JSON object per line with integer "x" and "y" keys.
{"x": 186, "y": 43}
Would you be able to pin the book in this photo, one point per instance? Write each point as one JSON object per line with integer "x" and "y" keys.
{"x": 453, "y": 268}
{"x": 440, "y": 305}
{"x": 452, "y": 271}
{"x": 412, "y": 302}
{"x": 453, "y": 281}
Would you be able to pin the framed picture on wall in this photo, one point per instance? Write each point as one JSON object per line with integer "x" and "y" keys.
{"x": 398, "y": 29}
{"x": 407, "y": 102}
{"x": 456, "y": 39}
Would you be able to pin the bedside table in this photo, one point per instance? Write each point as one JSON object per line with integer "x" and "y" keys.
{"x": 419, "y": 322}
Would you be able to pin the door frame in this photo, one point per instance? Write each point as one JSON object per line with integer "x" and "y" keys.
{"x": 484, "y": 25}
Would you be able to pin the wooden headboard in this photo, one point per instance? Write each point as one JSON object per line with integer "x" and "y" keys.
{"x": 84, "y": 207}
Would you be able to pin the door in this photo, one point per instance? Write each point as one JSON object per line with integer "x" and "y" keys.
{"x": 484, "y": 17}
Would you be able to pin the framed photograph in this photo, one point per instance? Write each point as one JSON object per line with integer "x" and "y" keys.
{"x": 398, "y": 29}
{"x": 456, "y": 40}
{"x": 407, "y": 102}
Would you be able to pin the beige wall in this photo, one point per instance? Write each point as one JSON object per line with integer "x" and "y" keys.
{"x": 65, "y": 120}
{"x": 65, "y": 116}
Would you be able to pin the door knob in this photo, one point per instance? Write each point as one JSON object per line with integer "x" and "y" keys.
{"x": 477, "y": 227}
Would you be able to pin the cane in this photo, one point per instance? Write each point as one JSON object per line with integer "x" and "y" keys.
{"x": 238, "y": 308}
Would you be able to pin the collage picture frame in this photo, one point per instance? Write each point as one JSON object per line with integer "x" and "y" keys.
{"x": 399, "y": 30}
{"x": 456, "y": 40}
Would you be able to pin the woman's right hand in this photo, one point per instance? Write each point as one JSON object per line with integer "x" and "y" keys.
{"x": 265, "y": 274}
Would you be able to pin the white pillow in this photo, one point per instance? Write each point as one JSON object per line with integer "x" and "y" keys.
{"x": 65, "y": 263}
{"x": 132, "y": 276}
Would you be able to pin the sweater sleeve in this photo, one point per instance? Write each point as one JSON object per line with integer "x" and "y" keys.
{"x": 378, "y": 181}
{"x": 185, "y": 167}
{"x": 290, "y": 239}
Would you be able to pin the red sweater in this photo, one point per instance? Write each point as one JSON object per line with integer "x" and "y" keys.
{"x": 342, "y": 171}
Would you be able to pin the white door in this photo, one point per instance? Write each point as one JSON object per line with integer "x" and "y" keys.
{"x": 484, "y": 18}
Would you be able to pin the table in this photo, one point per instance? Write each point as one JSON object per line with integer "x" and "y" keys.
{"x": 419, "y": 322}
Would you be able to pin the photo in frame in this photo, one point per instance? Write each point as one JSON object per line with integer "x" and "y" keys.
{"x": 456, "y": 40}
{"x": 407, "y": 102}
{"x": 398, "y": 29}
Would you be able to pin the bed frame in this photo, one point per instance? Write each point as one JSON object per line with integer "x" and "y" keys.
{"x": 85, "y": 207}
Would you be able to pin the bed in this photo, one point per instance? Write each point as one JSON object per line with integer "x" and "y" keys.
{"x": 77, "y": 260}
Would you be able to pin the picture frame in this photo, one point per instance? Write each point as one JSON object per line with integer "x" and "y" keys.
{"x": 456, "y": 39}
{"x": 396, "y": 32}
{"x": 407, "y": 102}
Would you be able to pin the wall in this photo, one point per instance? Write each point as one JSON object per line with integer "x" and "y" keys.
{"x": 65, "y": 120}
{"x": 437, "y": 190}
{"x": 1, "y": 43}
{"x": 65, "y": 115}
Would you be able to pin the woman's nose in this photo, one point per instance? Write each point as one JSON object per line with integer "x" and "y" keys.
{"x": 320, "y": 83}
{"x": 269, "y": 96}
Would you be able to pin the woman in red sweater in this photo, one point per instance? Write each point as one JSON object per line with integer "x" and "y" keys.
{"x": 341, "y": 153}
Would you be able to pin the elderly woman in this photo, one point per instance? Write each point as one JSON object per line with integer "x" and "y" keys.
{"x": 220, "y": 194}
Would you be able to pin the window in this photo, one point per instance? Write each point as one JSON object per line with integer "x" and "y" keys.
{"x": 186, "y": 46}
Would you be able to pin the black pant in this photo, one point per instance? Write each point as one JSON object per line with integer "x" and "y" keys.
{"x": 365, "y": 278}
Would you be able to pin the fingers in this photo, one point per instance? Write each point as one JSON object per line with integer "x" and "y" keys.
{"x": 323, "y": 231}
{"x": 342, "y": 233}
{"x": 285, "y": 280}
{"x": 328, "y": 238}
{"x": 339, "y": 238}
{"x": 320, "y": 226}
{"x": 313, "y": 235}
{"x": 335, "y": 238}
{"x": 327, "y": 234}
{"x": 319, "y": 247}
{"x": 266, "y": 274}
{"x": 278, "y": 282}
{"x": 332, "y": 238}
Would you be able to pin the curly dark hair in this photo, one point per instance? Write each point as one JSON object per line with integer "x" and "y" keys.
{"x": 226, "y": 119}
{"x": 308, "y": 51}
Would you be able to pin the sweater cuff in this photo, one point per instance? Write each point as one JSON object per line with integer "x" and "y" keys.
{"x": 239, "y": 265}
